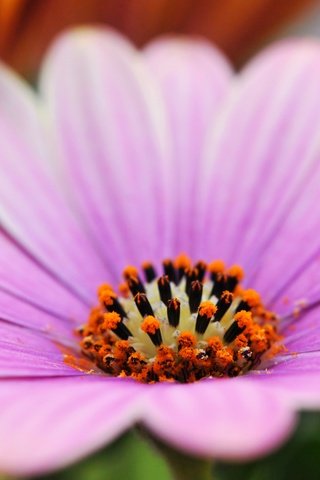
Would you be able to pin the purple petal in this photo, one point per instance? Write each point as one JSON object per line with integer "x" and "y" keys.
{"x": 261, "y": 172}
{"x": 111, "y": 129}
{"x": 223, "y": 419}
{"x": 194, "y": 78}
{"x": 302, "y": 332}
{"x": 26, "y": 281}
{"x": 299, "y": 389}
{"x": 31, "y": 207}
{"x": 25, "y": 353}
{"x": 49, "y": 423}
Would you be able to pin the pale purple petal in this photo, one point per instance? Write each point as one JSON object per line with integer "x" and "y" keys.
{"x": 49, "y": 423}
{"x": 27, "y": 353}
{"x": 261, "y": 172}
{"x": 194, "y": 78}
{"x": 31, "y": 208}
{"x": 25, "y": 280}
{"x": 302, "y": 332}
{"x": 111, "y": 130}
{"x": 225, "y": 419}
{"x": 299, "y": 389}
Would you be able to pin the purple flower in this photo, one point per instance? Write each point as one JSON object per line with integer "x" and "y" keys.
{"x": 126, "y": 156}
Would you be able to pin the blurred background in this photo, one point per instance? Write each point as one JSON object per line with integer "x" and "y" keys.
{"x": 240, "y": 28}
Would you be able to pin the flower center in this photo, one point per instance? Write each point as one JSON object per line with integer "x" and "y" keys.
{"x": 192, "y": 322}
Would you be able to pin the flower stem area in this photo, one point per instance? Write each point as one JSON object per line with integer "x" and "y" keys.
{"x": 133, "y": 458}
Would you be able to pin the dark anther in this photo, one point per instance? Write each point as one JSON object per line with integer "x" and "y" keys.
{"x": 169, "y": 270}
{"x": 149, "y": 272}
{"x": 135, "y": 286}
{"x": 116, "y": 307}
{"x": 233, "y": 331}
{"x": 191, "y": 276}
{"x": 231, "y": 283}
{"x": 164, "y": 289}
{"x": 143, "y": 304}
{"x": 243, "y": 306}
{"x": 202, "y": 322}
{"x": 122, "y": 331}
{"x": 223, "y": 304}
{"x": 219, "y": 284}
{"x": 156, "y": 338}
{"x": 201, "y": 268}
{"x": 195, "y": 294}
{"x": 173, "y": 312}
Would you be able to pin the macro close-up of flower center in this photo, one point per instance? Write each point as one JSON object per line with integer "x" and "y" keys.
{"x": 192, "y": 322}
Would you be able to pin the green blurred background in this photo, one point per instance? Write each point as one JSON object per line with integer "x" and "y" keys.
{"x": 131, "y": 458}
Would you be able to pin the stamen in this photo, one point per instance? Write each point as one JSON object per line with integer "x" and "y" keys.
{"x": 195, "y": 295}
{"x": 206, "y": 311}
{"x": 164, "y": 289}
{"x": 169, "y": 270}
{"x": 192, "y": 322}
{"x": 173, "y": 312}
{"x": 113, "y": 322}
{"x": 149, "y": 272}
{"x": 223, "y": 305}
{"x": 143, "y": 304}
{"x": 151, "y": 326}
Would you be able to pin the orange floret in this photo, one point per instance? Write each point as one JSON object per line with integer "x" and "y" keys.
{"x": 236, "y": 271}
{"x": 207, "y": 309}
{"x": 182, "y": 261}
{"x": 130, "y": 271}
{"x": 106, "y": 297}
{"x": 186, "y": 340}
{"x": 150, "y": 325}
{"x": 217, "y": 266}
{"x": 243, "y": 319}
{"x": 251, "y": 297}
{"x": 111, "y": 320}
{"x": 227, "y": 296}
{"x": 104, "y": 287}
{"x": 124, "y": 289}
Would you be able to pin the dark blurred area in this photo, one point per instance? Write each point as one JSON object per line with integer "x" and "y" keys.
{"x": 238, "y": 27}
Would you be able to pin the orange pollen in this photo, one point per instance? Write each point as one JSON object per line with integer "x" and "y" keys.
{"x": 111, "y": 320}
{"x": 192, "y": 321}
{"x": 207, "y": 309}
{"x": 150, "y": 325}
{"x": 130, "y": 271}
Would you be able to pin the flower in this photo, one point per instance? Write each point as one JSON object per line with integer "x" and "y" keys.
{"x": 125, "y": 156}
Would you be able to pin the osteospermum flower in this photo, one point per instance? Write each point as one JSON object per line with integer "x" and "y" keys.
{"x": 201, "y": 188}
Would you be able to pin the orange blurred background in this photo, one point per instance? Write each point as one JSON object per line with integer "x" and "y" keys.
{"x": 237, "y": 26}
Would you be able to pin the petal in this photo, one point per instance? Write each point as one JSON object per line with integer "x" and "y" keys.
{"x": 261, "y": 172}
{"x": 25, "y": 353}
{"x": 111, "y": 130}
{"x": 60, "y": 420}
{"x": 25, "y": 280}
{"x": 302, "y": 332}
{"x": 32, "y": 210}
{"x": 223, "y": 419}
{"x": 299, "y": 389}
{"x": 194, "y": 78}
